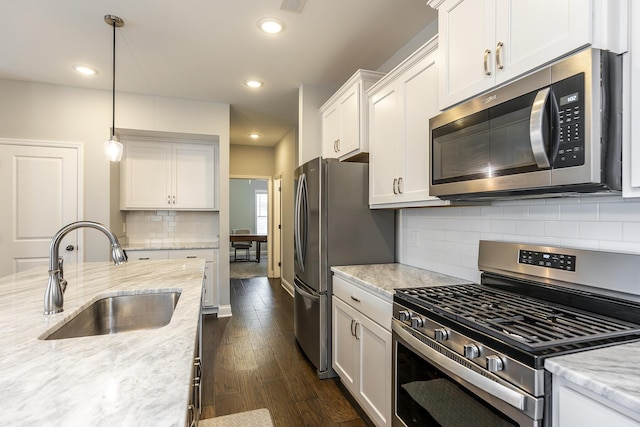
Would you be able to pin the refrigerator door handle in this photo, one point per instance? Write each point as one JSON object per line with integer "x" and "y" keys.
{"x": 305, "y": 293}
{"x": 296, "y": 223}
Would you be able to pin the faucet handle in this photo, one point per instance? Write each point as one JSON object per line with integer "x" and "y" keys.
{"x": 63, "y": 282}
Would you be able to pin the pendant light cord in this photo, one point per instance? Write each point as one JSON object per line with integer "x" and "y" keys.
{"x": 113, "y": 92}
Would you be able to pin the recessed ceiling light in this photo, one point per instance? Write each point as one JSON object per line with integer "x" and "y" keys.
{"x": 83, "y": 69}
{"x": 253, "y": 83}
{"x": 254, "y": 135}
{"x": 270, "y": 25}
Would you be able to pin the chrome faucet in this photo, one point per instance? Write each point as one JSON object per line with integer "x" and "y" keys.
{"x": 54, "y": 294}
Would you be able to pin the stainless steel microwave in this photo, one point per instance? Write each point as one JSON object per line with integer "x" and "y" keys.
{"x": 556, "y": 131}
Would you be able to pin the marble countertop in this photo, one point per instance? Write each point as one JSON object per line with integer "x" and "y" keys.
{"x": 131, "y": 378}
{"x": 610, "y": 372}
{"x": 170, "y": 246}
{"x": 384, "y": 278}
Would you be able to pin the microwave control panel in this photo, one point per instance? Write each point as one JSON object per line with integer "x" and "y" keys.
{"x": 569, "y": 94}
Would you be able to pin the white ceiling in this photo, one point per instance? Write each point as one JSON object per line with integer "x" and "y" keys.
{"x": 204, "y": 49}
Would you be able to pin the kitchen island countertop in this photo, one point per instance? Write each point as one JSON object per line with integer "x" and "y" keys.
{"x": 131, "y": 378}
{"x": 384, "y": 278}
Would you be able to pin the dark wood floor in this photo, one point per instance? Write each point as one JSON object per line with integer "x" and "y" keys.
{"x": 251, "y": 361}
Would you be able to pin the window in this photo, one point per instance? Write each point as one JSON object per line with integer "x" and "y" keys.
{"x": 261, "y": 211}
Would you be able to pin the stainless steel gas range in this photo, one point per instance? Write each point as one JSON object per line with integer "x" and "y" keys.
{"x": 474, "y": 354}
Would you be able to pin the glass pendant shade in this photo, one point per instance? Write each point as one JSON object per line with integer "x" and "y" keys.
{"x": 113, "y": 149}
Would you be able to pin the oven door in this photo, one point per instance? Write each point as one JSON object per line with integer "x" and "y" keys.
{"x": 431, "y": 389}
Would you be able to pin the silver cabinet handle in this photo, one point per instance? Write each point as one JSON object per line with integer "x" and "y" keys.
{"x": 144, "y": 258}
{"x": 499, "y": 63}
{"x": 355, "y": 299}
{"x": 395, "y": 185}
{"x": 169, "y": 199}
{"x": 536, "y": 131}
{"x": 174, "y": 199}
{"x": 352, "y": 332}
{"x": 356, "y": 331}
{"x": 400, "y": 185}
{"x": 338, "y": 142}
{"x": 487, "y": 71}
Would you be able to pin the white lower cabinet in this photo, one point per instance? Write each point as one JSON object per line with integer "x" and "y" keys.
{"x": 575, "y": 406}
{"x": 210, "y": 288}
{"x": 362, "y": 348}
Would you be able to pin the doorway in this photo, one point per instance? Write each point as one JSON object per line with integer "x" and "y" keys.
{"x": 251, "y": 207}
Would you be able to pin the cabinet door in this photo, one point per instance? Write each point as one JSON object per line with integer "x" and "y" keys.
{"x": 330, "y": 131}
{"x": 466, "y": 33}
{"x": 534, "y": 33}
{"x": 576, "y": 407}
{"x": 146, "y": 176}
{"x": 374, "y": 378}
{"x": 193, "y": 176}
{"x": 344, "y": 344}
{"x": 349, "y": 131}
{"x": 420, "y": 104}
{"x": 386, "y": 142}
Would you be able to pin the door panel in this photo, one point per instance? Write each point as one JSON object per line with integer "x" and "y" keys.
{"x": 42, "y": 196}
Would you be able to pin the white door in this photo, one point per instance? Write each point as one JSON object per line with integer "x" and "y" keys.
{"x": 40, "y": 185}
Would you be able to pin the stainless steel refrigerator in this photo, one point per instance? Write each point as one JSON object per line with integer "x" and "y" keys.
{"x": 333, "y": 225}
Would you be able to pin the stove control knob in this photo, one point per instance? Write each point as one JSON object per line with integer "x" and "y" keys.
{"x": 494, "y": 363}
{"x": 471, "y": 351}
{"x": 440, "y": 334}
{"x": 404, "y": 315}
{"x": 417, "y": 321}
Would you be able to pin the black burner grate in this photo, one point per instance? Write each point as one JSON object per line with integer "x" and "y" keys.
{"x": 525, "y": 322}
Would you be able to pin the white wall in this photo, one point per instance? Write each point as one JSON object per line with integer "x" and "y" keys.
{"x": 446, "y": 239}
{"x": 59, "y": 113}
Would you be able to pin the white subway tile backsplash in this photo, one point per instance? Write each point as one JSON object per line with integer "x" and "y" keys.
{"x": 631, "y": 231}
{"x": 544, "y": 212}
{"x": 449, "y": 236}
{"x": 600, "y": 230}
{"x": 170, "y": 227}
{"x": 579, "y": 212}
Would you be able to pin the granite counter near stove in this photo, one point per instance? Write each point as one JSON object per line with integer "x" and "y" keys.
{"x": 382, "y": 279}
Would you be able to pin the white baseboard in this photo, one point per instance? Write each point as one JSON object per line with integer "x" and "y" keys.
{"x": 287, "y": 286}
{"x": 224, "y": 311}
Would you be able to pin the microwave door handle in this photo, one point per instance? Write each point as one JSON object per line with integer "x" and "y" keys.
{"x": 536, "y": 131}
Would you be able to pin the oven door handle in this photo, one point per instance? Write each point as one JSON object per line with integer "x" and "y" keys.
{"x": 536, "y": 128}
{"x": 501, "y": 392}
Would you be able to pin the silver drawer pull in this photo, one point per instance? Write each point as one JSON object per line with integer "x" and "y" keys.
{"x": 355, "y": 299}
{"x": 143, "y": 258}
{"x": 487, "y": 71}
{"x": 192, "y": 256}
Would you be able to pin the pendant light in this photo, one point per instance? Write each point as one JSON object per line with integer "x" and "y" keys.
{"x": 113, "y": 147}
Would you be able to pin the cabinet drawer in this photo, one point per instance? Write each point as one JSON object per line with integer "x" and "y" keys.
{"x": 206, "y": 254}
{"x": 364, "y": 301}
{"x": 145, "y": 255}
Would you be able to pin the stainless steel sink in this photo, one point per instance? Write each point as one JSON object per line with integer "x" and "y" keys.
{"x": 121, "y": 313}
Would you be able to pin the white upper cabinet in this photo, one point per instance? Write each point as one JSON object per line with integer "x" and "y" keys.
{"x": 400, "y": 106}
{"x": 170, "y": 176}
{"x": 345, "y": 118}
{"x": 484, "y": 43}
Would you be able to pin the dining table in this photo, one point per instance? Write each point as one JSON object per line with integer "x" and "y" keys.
{"x": 258, "y": 238}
